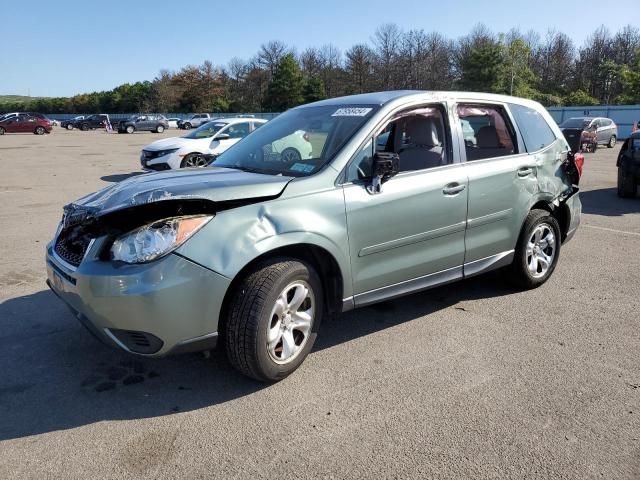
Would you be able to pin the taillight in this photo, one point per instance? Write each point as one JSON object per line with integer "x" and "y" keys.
{"x": 578, "y": 159}
{"x": 306, "y": 136}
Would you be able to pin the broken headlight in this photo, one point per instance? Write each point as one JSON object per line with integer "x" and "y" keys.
{"x": 156, "y": 239}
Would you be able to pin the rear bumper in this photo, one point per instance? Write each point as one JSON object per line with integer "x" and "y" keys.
{"x": 574, "y": 206}
{"x": 168, "y": 306}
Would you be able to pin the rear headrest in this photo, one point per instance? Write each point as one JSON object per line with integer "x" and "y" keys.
{"x": 423, "y": 131}
{"x": 488, "y": 137}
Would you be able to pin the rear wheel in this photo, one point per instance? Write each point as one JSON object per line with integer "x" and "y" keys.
{"x": 273, "y": 319}
{"x": 291, "y": 155}
{"x": 612, "y": 141}
{"x": 69, "y": 127}
{"x": 2, "y": 130}
{"x": 130, "y": 129}
{"x": 84, "y": 127}
{"x": 626, "y": 184}
{"x": 159, "y": 129}
{"x": 537, "y": 250}
{"x": 39, "y": 131}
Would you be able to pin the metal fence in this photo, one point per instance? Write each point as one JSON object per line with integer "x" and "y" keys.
{"x": 623, "y": 115}
{"x": 116, "y": 117}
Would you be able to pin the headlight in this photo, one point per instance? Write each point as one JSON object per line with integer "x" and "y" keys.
{"x": 156, "y": 239}
{"x": 166, "y": 152}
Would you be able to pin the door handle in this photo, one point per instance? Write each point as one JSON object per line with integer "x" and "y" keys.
{"x": 453, "y": 189}
{"x": 525, "y": 171}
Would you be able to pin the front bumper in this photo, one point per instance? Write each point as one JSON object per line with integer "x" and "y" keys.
{"x": 167, "y": 306}
{"x": 158, "y": 164}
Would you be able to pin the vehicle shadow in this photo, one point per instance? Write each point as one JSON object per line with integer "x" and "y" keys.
{"x": 605, "y": 201}
{"x": 118, "y": 177}
{"x": 56, "y": 376}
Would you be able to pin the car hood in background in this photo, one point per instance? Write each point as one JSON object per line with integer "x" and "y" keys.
{"x": 214, "y": 184}
{"x": 177, "y": 142}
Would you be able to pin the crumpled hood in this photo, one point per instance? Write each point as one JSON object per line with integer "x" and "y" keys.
{"x": 214, "y": 184}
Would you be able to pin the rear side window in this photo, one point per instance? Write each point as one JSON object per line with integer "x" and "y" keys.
{"x": 487, "y": 131}
{"x": 535, "y": 130}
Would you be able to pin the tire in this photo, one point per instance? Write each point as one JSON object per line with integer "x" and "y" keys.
{"x": 130, "y": 129}
{"x": 159, "y": 129}
{"x": 530, "y": 253}
{"x": 626, "y": 185}
{"x": 193, "y": 160}
{"x": 187, "y": 126}
{"x": 39, "y": 131}
{"x": 2, "y": 130}
{"x": 84, "y": 127}
{"x": 69, "y": 127}
{"x": 290, "y": 155}
{"x": 257, "y": 311}
{"x": 612, "y": 141}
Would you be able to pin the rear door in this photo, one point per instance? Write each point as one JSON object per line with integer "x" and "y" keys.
{"x": 502, "y": 179}
{"x": 411, "y": 234}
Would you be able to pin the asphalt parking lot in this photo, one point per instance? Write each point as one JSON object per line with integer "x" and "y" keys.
{"x": 472, "y": 380}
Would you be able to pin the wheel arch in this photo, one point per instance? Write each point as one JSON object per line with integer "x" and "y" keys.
{"x": 560, "y": 212}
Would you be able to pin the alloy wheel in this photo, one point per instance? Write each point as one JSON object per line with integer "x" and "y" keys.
{"x": 290, "y": 322}
{"x": 195, "y": 161}
{"x": 541, "y": 250}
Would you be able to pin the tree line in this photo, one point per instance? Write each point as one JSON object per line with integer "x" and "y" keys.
{"x": 548, "y": 68}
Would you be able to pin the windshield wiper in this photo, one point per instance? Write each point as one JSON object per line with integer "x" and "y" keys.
{"x": 247, "y": 169}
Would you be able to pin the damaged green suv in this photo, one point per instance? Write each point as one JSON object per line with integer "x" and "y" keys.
{"x": 402, "y": 191}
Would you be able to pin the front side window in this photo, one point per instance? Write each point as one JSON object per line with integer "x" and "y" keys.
{"x": 487, "y": 131}
{"x": 416, "y": 135}
{"x": 299, "y": 142}
{"x": 238, "y": 130}
{"x": 576, "y": 122}
{"x": 535, "y": 130}
{"x": 206, "y": 130}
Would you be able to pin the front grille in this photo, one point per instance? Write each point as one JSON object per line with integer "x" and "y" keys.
{"x": 72, "y": 247}
{"x": 158, "y": 167}
{"x": 138, "y": 342}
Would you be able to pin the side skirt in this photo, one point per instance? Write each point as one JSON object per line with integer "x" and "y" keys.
{"x": 428, "y": 281}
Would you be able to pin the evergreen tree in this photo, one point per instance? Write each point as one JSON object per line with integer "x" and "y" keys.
{"x": 313, "y": 90}
{"x": 481, "y": 68}
{"x": 285, "y": 88}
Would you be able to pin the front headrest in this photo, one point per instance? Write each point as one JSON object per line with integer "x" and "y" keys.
{"x": 423, "y": 131}
{"x": 488, "y": 137}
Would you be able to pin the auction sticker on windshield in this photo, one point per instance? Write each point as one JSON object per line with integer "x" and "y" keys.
{"x": 302, "y": 167}
{"x": 351, "y": 112}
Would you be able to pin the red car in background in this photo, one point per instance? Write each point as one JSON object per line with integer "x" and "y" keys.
{"x": 25, "y": 123}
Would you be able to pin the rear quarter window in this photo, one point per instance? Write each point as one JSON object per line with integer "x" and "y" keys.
{"x": 535, "y": 130}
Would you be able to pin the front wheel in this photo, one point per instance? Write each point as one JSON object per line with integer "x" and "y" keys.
{"x": 69, "y": 127}
{"x": 194, "y": 160}
{"x": 187, "y": 126}
{"x": 2, "y": 130}
{"x": 612, "y": 141}
{"x": 626, "y": 184}
{"x": 537, "y": 251}
{"x": 273, "y": 319}
{"x": 39, "y": 131}
{"x": 130, "y": 129}
{"x": 159, "y": 129}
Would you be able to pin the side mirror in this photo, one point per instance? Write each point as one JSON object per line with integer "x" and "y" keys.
{"x": 385, "y": 165}
{"x": 222, "y": 136}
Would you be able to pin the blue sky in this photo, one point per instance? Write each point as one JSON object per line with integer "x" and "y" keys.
{"x": 60, "y": 48}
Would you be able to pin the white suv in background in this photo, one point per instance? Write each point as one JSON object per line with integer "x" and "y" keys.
{"x": 194, "y": 121}
{"x": 212, "y": 138}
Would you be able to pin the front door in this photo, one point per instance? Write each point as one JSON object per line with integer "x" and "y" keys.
{"x": 411, "y": 234}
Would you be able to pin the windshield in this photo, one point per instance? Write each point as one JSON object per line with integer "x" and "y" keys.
{"x": 299, "y": 142}
{"x": 576, "y": 123}
{"x": 205, "y": 131}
